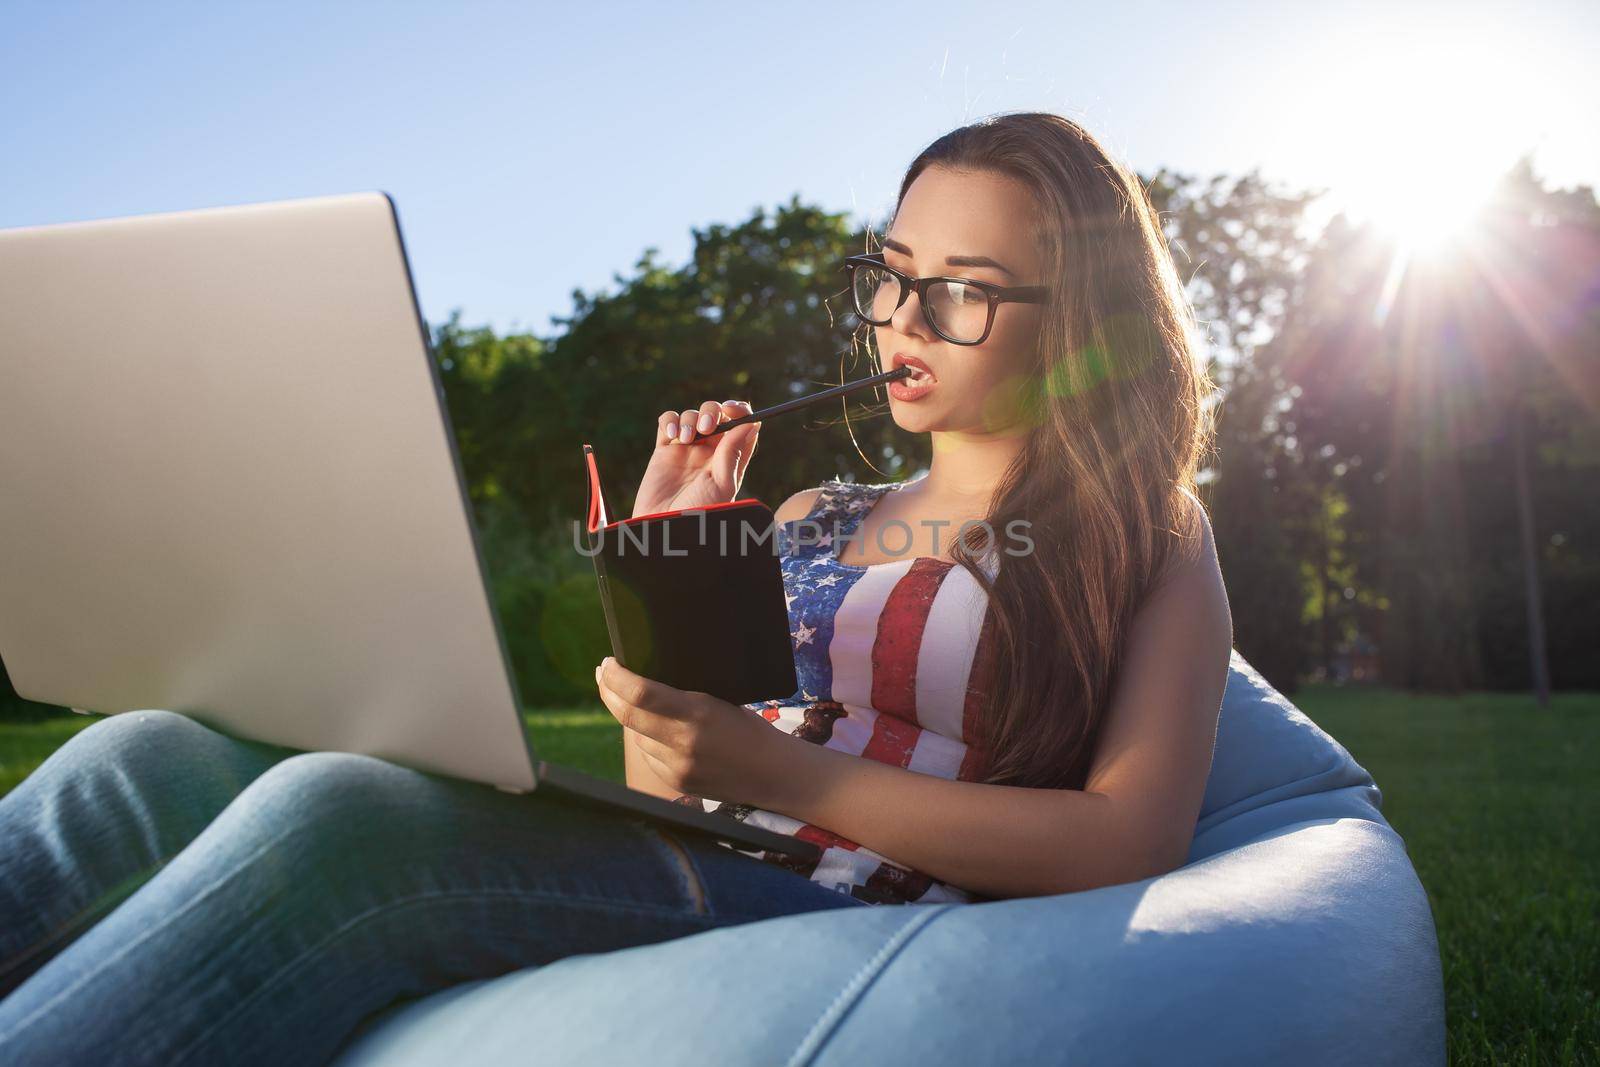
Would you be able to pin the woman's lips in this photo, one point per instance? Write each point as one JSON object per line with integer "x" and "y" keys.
{"x": 913, "y": 387}
{"x": 917, "y": 366}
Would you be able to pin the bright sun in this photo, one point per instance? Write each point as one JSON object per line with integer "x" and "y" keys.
{"x": 1413, "y": 140}
{"x": 1423, "y": 217}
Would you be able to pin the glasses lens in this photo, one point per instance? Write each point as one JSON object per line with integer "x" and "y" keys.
{"x": 876, "y": 291}
{"x": 960, "y": 311}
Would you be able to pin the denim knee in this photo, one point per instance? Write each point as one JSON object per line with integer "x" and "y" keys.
{"x": 133, "y": 741}
{"x": 335, "y": 791}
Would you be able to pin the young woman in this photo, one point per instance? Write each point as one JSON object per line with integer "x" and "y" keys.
{"x": 1055, "y": 698}
{"x": 1015, "y": 695}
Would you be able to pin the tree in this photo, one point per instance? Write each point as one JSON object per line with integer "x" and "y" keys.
{"x": 1412, "y": 377}
{"x": 1240, "y": 245}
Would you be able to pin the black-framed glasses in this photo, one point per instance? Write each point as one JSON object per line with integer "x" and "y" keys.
{"x": 960, "y": 310}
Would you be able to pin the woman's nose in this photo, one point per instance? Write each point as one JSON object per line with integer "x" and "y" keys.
{"x": 908, "y": 318}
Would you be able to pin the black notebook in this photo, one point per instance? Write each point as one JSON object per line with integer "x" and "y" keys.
{"x": 694, "y": 598}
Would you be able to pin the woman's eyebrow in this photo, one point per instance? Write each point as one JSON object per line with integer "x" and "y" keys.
{"x": 954, "y": 261}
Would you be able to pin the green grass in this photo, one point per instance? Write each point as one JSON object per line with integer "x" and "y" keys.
{"x": 25, "y": 745}
{"x": 588, "y": 740}
{"x": 1498, "y": 802}
{"x": 1499, "y": 805}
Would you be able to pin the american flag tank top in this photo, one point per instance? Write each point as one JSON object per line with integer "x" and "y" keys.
{"x": 891, "y": 660}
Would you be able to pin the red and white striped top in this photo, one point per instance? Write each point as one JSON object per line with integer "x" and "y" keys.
{"x": 891, "y": 659}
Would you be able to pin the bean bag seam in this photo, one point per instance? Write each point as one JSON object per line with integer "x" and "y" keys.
{"x": 1289, "y": 789}
{"x": 828, "y": 1022}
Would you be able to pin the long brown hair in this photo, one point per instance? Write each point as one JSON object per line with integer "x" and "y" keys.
{"x": 1117, "y": 424}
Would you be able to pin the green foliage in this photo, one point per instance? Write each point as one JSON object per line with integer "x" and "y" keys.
{"x": 756, "y": 314}
{"x": 1252, "y": 519}
{"x": 1401, "y": 378}
{"x": 547, "y": 603}
{"x": 1239, "y": 246}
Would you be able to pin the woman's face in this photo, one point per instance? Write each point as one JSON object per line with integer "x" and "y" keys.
{"x": 955, "y": 214}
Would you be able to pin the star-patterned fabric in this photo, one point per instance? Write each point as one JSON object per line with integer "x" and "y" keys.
{"x": 891, "y": 660}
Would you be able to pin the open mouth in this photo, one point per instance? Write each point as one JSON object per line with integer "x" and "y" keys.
{"x": 919, "y": 375}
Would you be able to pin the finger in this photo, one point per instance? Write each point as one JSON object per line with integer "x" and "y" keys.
{"x": 641, "y": 692}
{"x": 641, "y": 721}
{"x": 660, "y": 760}
{"x": 743, "y": 407}
{"x": 659, "y": 753}
{"x": 666, "y": 427}
{"x": 734, "y": 409}
{"x": 710, "y": 415}
{"x": 732, "y": 456}
{"x": 686, "y": 425}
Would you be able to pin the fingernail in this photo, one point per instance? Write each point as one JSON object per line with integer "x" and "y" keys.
{"x": 705, "y": 423}
{"x": 672, "y": 430}
{"x": 686, "y": 431}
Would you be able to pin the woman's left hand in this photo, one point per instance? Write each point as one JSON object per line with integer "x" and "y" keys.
{"x": 693, "y": 741}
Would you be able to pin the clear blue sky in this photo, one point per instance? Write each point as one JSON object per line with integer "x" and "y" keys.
{"x": 534, "y": 152}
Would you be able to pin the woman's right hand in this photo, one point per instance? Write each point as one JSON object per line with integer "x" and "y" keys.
{"x": 687, "y": 470}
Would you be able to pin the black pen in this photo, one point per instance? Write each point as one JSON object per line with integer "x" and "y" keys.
{"x": 806, "y": 401}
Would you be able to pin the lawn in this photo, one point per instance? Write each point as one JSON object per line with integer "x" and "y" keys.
{"x": 586, "y": 739}
{"x": 1499, "y": 805}
{"x": 1498, "y": 802}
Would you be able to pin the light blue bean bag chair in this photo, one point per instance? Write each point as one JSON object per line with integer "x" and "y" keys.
{"x": 1296, "y": 933}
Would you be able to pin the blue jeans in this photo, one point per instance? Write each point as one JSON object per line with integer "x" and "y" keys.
{"x": 170, "y": 894}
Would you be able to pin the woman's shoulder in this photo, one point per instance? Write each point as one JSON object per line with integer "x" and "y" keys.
{"x": 1194, "y": 546}
{"x": 799, "y": 505}
{"x": 831, "y": 492}
{"x": 1195, "y": 523}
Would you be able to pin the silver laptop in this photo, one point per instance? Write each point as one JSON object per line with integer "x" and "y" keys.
{"x": 229, "y": 488}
